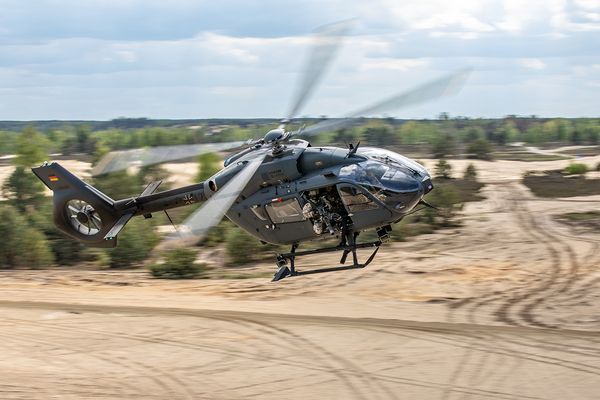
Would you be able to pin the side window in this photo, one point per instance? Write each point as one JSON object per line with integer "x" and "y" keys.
{"x": 285, "y": 211}
{"x": 259, "y": 212}
{"x": 355, "y": 200}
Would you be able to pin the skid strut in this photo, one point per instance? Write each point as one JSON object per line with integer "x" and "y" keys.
{"x": 347, "y": 245}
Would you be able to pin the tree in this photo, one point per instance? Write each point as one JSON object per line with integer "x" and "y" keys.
{"x": 481, "y": 149}
{"x": 81, "y": 141}
{"x": 241, "y": 246}
{"x": 346, "y": 136}
{"x": 507, "y": 132}
{"x": 66, "y": 250}
{"x": 379, "y": 135}
{"x": 443, "y": 169}
{"x": 470, "y": 173}
{"x": 443, "y": 146}
{"x": 473, "y": 133}
{"x": 576, "y": 169}
{"x": 135, "y": 243}
{"x": 152, "y": 173}
{"x": 178, "y": 264}
{"x": 446, "y": 199}
{"x": 21, "y": 244}
{"x": 23, "y": 188}
{"x": 208, "y": 165}
{"x": 119, "y": 184}
{"x": 31, "y": 148}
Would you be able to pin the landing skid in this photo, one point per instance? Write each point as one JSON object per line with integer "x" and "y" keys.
{"x": 347, "y": 246}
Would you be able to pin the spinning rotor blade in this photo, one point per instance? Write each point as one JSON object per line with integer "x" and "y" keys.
{"x": 438, "y": 88}
{"x": 210, "y": 213}
{"x": 327, "y": 41}
{"x": 119, "y": 160}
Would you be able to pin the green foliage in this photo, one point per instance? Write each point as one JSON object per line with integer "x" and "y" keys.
{"x": 481, "y": 149}
{"x": 23, "y": 188}
{"x": 178, "y": 264}
{"x": 8, "y": 142}
{"x": 31, "y": 148}
{"x": 556, "y": 184}
{"x": 592, "y": 134}
{"x": 135, "y": 243}
{"x": 447, "y": 199}
{"x": 470, "y": 173}
{"x": 576, "y": 169}
{"x": 443, "y": 146}
{"x": 218, "y": 234}
{"x": 152, "y": 173}
{"x": 67, "y": 251}
{"x": 598, "y": 167}
{"x": 21, "y": 244}
{"x": 119, "y": 185}
{"x": 346, "y": 136}
{"x": 208, "y": 165}
{"x": 443, "y": 169}
{"x": 507, "y": 132}
{"x": 473, "y": 133}
{"x": 80, "y": 140}
{"x": 381, "y": 135}
{"x": 241, "y": 246}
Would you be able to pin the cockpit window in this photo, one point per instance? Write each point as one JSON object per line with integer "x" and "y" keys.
{"x": 393, "y": 159}
{"x": 379, "y": 175}
{"x": 354, "y": 200}
{"x": 285, "y": 211}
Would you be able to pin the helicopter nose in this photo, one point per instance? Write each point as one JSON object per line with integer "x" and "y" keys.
{"x": 408, "y": 191}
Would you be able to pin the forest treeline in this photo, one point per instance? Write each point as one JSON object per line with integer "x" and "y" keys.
{"x": 444, "y": 136}
{"x": 31, "y": 240}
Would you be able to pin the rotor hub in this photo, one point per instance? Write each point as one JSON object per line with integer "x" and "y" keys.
{"x": 82, "y": 217}
{"x": 274, "y": 135}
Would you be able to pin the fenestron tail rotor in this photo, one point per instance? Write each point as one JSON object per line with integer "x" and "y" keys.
{"x": 83, "y": 217}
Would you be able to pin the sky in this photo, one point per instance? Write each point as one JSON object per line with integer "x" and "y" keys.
{"x": 102, "y": 59}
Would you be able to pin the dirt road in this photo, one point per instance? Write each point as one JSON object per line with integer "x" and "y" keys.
{"x": 505, "y": 307}
{"x": 64, "y": 351}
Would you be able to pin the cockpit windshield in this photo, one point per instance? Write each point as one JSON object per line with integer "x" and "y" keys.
{"x": 393, "y": 159}
{"x": 377, "y": 175}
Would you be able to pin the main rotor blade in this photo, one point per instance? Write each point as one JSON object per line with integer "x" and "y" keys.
{"x": 119, "y": 160}
{"x": 327, "y": 41}
{"x": 210, "y": 213}
{"x": 445, "y": 86}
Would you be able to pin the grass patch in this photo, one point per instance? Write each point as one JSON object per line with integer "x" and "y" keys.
{"x": 583, "y": 152}
{"x": 526, "y": 156}
{"x": 586, "y": 220}
{"x": 554, "y": 184}
{"x": 468, "y": 190}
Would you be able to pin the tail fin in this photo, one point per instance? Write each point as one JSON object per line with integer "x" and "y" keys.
{"x": 80, "y": 210}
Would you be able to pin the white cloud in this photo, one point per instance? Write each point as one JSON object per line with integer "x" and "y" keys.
{"x": 532, "y": 63}
{"x": 393, "y": 64}
{"x": 202, "y": 59}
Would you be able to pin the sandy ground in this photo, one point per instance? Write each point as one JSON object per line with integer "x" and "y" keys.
{"x": 505, "y": 306}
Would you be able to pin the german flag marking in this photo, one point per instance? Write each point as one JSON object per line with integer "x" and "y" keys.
{"x": 53, "y": 178}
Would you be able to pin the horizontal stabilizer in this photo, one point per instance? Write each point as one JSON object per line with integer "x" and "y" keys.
{"x": 151, "y": 188}
{"x": 118, "y": 226}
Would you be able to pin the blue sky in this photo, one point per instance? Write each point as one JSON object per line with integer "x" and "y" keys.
{"x": 101, "y": 59}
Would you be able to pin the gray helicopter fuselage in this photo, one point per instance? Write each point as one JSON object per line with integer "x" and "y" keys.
{"x": 373, "y": 191}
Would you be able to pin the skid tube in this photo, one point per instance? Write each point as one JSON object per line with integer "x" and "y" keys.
{"x": 347, "y": 246}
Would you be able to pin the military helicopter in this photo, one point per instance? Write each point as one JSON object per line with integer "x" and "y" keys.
{"x": 279, "y": 188}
